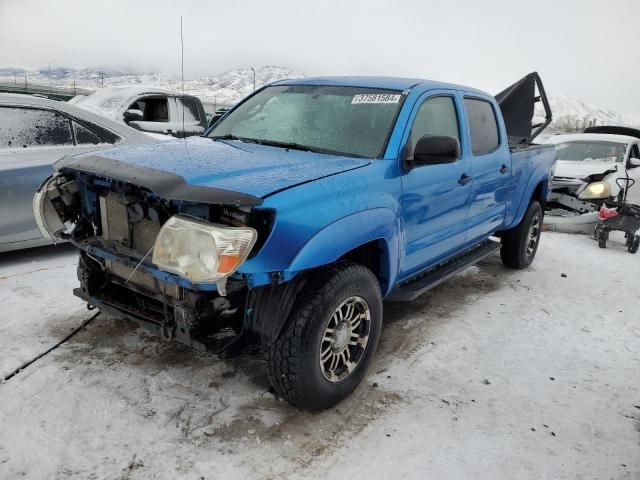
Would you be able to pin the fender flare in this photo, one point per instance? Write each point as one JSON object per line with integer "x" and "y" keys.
{"x": 526, "y": 198}
{"x": 350, "y": 232}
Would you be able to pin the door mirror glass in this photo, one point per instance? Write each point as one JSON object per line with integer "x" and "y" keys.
{"x": 436, "y": 149}
{"x": 133, "y": 115}
{"x": 634, "y": 162}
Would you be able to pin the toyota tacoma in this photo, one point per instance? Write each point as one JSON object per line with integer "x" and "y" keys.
{"x": 282, "y": 229}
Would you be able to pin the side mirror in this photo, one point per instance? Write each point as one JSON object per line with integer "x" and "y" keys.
{"x": 133, "y": 115}
{"x": 634, "y": 162}
{"x": 435, "y": 150}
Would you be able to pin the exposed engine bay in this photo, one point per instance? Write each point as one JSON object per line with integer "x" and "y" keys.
{"x": 118, "y": 225}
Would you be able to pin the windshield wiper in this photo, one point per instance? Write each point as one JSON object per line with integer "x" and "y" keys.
{"x": 231, "y": 136}
{"x": 289, "y": 145}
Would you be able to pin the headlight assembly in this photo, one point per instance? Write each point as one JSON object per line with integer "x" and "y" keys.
{"x": 596, "y": 190}
{"x": 200, "y": 251}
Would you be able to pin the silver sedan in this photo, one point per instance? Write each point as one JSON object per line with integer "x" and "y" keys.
{"x": 34, "y": 133}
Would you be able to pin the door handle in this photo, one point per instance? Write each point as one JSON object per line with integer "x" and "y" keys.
{"x": 464, "y": 179}
{"x": 504, "y": 169}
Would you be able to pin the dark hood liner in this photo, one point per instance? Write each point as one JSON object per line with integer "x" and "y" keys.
{"x": 613, "y": 130}
{"x": 517, "y": 104}
{"x": 164, "y": 184}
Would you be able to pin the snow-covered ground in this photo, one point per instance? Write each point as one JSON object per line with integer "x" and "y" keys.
{"x": 495, "y": 374}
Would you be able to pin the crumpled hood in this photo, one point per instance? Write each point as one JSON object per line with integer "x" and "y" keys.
{"x": 581, "y": 169}
{"x": 253, "y": 169}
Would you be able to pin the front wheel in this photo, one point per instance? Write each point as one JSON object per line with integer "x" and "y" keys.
{"x": 327, "y": 344}
{"x": 603, "y": 237}
{"x": 520, "y": 244}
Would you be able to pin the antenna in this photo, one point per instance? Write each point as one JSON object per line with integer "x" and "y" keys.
{"x": 182, "y": 76}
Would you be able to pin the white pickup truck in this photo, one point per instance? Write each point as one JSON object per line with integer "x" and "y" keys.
{"x": 585, "y": 175}
{"x": 149, "y": 109}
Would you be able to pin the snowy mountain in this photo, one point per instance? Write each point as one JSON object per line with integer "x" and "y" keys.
{"x": 224, "y": 89}
{"x": 570, "y": 114}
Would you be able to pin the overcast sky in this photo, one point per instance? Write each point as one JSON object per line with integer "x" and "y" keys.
{"x": 584, "y": 48}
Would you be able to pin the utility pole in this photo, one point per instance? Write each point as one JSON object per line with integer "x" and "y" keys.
{"x": 49, "y": 78}
{"x": 254, "y": 78}
{"x": 102, "y": 79}
{"x": 74, "y": 87}
{"x": 25, "y": 80}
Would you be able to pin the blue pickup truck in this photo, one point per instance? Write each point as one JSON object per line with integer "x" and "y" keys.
{"x": 281, "y": 230}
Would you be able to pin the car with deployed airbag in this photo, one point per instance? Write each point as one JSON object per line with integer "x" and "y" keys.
{"x": 283, "y": 228}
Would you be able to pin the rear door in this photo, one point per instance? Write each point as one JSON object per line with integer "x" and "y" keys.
{"x": 434, "y": 200}
{"x": 490, "y": 167}
{"x": 194, "y": 118}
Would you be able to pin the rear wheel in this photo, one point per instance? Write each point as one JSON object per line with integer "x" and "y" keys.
{"x": 325, "y": 348}
{"x": 635, "y": 244}
{"x": 520, "y": 244}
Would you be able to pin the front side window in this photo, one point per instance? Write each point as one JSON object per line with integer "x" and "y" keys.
{"x": 436, "y": 116}
{"x": 591, "y": 151}
{"x": 483, "y": 126}
{"x": 22, "y": 127}
{"x": 349, "y": 121}
{"x": 154, "y": 109}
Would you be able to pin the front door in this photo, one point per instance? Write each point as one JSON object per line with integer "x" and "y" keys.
{"x": 435, "y": 197}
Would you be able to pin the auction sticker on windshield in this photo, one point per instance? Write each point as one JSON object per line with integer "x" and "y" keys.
{"x": 375, "y": 98}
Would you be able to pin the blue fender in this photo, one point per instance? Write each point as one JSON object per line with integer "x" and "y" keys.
{"x": 348, "y": 233}
{"x": 532, "y": 184}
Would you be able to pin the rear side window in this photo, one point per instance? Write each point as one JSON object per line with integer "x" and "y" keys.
{"x": 84, "y": 136}
{"x": 483, "y": 126}
{"x": 26, "y": 127}
{"x": 436, "y": 116}
{"x": 191, "y": 112}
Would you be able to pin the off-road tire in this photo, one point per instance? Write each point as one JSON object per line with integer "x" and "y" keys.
{"x": 596, "y": 231}
{"x": 294, "y": 358}
{"x": 635, "y": 244}
{"x": 514, "y": 252}
{"x": 603, "y": 237}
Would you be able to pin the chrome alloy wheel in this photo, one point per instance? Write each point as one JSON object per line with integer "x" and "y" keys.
{"x": 534, "y": 233}
{"x": 345, "y": 339}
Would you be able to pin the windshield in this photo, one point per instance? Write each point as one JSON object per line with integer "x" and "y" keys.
{"x": 336, "y": 120}
{"x": 590, "y": 151}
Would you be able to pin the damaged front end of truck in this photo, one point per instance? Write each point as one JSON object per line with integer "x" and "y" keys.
{"x": 146, "y": 240}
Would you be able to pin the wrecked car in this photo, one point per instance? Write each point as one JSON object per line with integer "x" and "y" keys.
{"x": 35, "y": 132}
{"x": 284, "y": 227}
{"x": 585, "y": 174}
{"x": 153, "y": 110}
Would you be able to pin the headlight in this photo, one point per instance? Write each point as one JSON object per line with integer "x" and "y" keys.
{"x": 596, "y": 190}
{"x": 200, "y": 251}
